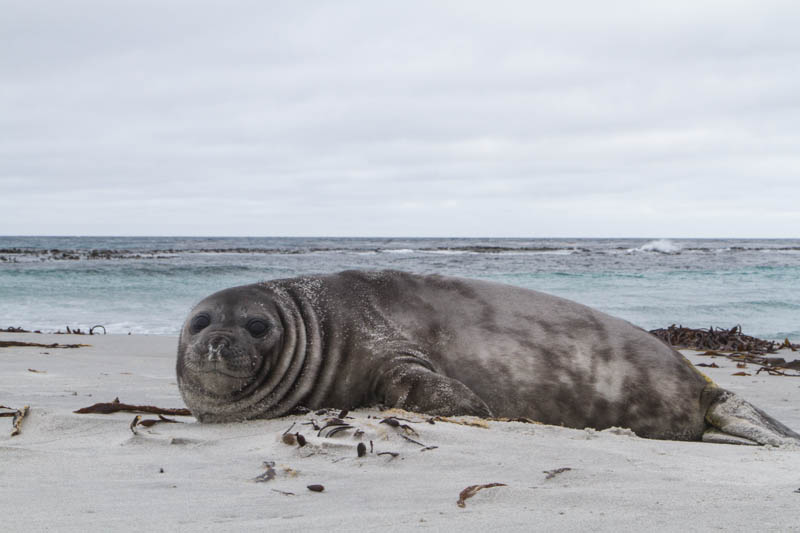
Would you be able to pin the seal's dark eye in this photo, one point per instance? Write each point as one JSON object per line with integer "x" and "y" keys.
{"x": 257, "y": 327}
{"x": 199, "y": 322}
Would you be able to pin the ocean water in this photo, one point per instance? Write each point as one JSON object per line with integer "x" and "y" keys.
{"x": 148, "y": 284}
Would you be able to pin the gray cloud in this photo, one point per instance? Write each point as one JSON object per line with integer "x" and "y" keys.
{"x": 419, "y": 118}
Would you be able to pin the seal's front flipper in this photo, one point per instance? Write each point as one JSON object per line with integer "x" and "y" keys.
{"x": 416, "y": 388}
{"x": 734, "y": 416}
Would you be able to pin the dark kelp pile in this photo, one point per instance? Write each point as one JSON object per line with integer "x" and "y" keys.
{"x": 721, "y": 339}
{"x": 733, "y": 344}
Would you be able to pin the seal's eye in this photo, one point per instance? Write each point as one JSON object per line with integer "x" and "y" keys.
{"x": 256, "y": 327}
{"x": 199, "y": 322}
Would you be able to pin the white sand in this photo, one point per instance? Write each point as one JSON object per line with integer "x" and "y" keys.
{"x": 71, "y": 472}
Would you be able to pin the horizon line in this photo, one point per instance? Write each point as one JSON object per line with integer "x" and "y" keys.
{"x": 136, "y": 236}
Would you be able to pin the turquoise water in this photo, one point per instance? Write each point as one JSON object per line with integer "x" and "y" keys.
{"x": 148, "y": 284}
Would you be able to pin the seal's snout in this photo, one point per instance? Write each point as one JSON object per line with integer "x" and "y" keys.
{"x": 217, "y": 344}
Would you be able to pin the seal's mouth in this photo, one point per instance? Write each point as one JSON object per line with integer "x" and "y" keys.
{"x": 219, "y": 379}
{"x": 223, "y": 372}
{"x": 231, "y": 364}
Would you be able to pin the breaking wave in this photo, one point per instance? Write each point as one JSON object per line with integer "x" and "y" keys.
{"x": 661, "y": 246}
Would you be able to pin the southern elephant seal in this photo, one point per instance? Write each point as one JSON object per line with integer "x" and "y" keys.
{"x": 446, "y": 346}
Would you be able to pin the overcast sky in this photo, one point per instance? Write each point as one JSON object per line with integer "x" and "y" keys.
{"x": 525, "y": 119}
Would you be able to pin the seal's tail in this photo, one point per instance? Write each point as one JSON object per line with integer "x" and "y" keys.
{"x": 736, "y": 421}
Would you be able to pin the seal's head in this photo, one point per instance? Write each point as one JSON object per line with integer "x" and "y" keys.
{"x": 227, "y": 345}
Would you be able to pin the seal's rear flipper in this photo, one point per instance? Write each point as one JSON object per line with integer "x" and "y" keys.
{"x": 718, "y": 437}
{"x": 734, "y": 416}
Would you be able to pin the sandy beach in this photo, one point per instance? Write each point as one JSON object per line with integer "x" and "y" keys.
{"x": 78, "y": 472}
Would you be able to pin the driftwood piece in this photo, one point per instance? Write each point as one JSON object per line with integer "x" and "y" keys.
{"x": 470, "y": 491}
{"x": 116, "y": 406}
{"x": 11, "y": 344}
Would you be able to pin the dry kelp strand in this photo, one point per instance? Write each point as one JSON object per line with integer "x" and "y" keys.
{"x": 333, "y": 430}
{"x": 775, "y": 372}
{"x": 476, "y": 422}
{"x": 553, "y": 473}
{"x": 409, "y": 439}
{"x": 269, "y": 473}
{"x": 134, "y": 423}
{"x": 395, "y": 423}
{"x": 313, "y": 424}
{"x": 392, "y": 454}
{"x": 470, "y": 491}
{"x": 12, "y": 329}
{"x": 332, "y": 427}
{"x": 149, "y": 422}
{"x": 16, "y": 421}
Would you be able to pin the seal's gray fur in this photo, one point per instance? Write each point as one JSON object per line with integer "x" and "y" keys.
{"x": 446, "y": 346}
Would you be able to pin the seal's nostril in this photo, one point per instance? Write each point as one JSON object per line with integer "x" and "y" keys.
{"x": 214, "y": 352}
{"x": 218, "y": 341}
